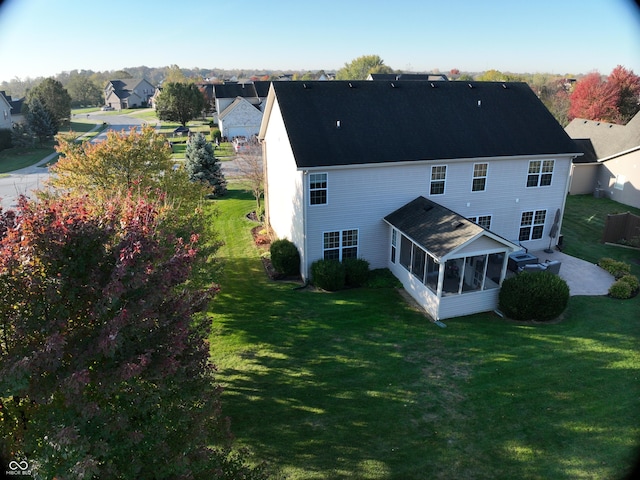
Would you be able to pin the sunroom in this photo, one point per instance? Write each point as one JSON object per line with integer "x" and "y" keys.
{"x": 448, "y": 264}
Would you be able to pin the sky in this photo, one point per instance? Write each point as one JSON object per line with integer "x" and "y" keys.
{"x": 41, "y": 38}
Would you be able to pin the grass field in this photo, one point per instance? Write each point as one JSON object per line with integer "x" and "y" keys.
{"x": 358, "y": 384}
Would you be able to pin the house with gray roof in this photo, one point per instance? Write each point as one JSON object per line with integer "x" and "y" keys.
{"x": 128, "y": 93}
{"x": 5, "y": 112}
{"x": 437, "y": 181}
{"x": 610, "y": 166}
{"x": 239, "y": 107}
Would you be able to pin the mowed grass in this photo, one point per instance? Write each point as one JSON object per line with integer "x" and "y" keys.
{"x": 359, "y": 384}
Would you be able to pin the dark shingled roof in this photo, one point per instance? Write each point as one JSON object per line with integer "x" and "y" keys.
{"x": 364, "y": 122}
{"x": 434, "y": 227}
{"x": 233, "y": 90}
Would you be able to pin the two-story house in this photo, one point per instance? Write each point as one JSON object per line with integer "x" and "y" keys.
{"x": 239, "y": 107}
{"x": 128, "y": 93}
{"x": 438, "y": 181}
{"x": 5, "y": 112}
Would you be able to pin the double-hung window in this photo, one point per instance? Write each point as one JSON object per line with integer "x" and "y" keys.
{"x": 479, "y": 183}
{"x": 317, "y": 188}
{"x": 482, "y": 220}
{"x": 438, "y": 178}
{"x": 540, "y": 173}
{"x": 340, "y": 245}
{"x": 532, "y": 225}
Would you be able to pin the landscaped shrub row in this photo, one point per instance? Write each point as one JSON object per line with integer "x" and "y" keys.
{"x": 540, "y": 296}
{"x": 334, "y": 275}
{"x": 614, "y": 267}
{"x": 626, "y": 285}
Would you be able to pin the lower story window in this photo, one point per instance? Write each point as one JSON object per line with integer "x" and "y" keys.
{"x": 532, "y": 225}
{"x": 340, "y": 244}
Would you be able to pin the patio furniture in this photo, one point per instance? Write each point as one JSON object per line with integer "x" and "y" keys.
{"x": 517, "y": 260}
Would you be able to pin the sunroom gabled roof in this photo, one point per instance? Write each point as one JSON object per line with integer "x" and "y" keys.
{"x": 437, "y": 229}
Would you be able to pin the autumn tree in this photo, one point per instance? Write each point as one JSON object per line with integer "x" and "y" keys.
{"x": 594, "y": 99}
{"x": 104, "y": 368}
{"x": 202, "y": 166}
{"x": 628, "y": 86}
{"x": 180, "y": 102}
{"x": 361, "y": 67}
{"x": 54, "y": 97}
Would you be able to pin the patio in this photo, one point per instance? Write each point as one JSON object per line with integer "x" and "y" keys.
{"x": 583, "y": 278}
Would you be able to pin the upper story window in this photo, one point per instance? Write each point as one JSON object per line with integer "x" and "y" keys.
{"x": 438, "y": 178}
{"x": 479, "y": 183}
{"x": 318, "y": 188}
{"x": 540, "y": 173}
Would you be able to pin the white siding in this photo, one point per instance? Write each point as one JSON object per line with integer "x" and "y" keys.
{"x": 361, "y": 197}
{"x": 284, "y": 186}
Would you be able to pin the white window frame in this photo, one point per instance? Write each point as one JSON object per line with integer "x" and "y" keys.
{"x": 325, "y": 188}
{"x": 542, "y": 173}
{"x": 482, "y": 220}
{"x": 439, "y": 170}
{"x": 341, "y": 245}
{"x": 533, "y": 224}
{"x": 480, "y": 177}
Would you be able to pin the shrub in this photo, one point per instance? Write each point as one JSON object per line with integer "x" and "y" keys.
{"x": 356, "y": 271}
{"x": 328, "y": 274}
{"x": 5, "y": 138}
{"x": 540, "y": 296}
{"x": 285, "y": 257}
{"x": 620, "y": 289}
{"x": 614, "y": 267}
{"x": 625, "y": 287}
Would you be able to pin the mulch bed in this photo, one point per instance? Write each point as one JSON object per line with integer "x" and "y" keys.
{"x": 263, "y": 242}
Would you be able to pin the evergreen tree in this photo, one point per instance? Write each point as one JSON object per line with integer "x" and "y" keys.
{"x": 202, "y": 165}
{"x": 39, "y": 120}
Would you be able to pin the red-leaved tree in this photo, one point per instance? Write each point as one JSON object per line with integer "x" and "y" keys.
{"x": 594, "y": 99}
{"x": 104, "y": 370}
{"x": 615, "y": 99}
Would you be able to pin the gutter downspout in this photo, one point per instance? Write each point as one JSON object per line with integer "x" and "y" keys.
{"x": 304, "y": 227}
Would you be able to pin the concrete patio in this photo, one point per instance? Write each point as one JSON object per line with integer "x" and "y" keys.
{"x": 583, "y": 278}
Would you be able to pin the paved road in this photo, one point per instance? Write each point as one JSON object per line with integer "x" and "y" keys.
{"x": 24, "y": 181}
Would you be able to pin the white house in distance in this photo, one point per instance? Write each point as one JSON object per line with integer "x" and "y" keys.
{"x": 239, "y": 107}
{"x": 437, "y": 181}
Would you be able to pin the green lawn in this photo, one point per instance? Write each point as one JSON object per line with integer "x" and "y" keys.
{"x": 357, "y": 384}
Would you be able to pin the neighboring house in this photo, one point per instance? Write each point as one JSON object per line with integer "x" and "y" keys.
{"x": 239, "y": 107}
{"x": 437, "y": 181}
{"x": 16, "y": 108}
{"x": 610, "y": 166}
{"x": 392, "y": 77}
{"x": 5, "y": 112}
{"x": 240, "y": 119}
{"x": 128, "y": 93}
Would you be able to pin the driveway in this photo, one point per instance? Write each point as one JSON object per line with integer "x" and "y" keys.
{"x": 24, "y": 181}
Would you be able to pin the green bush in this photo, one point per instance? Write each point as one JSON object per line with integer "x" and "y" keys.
{"x": 5, "y": 138}
{"x": 625, "y": 287}
{"x": 328, "y": 274}
{"x": 632, "y": 280}
{"x": 620, "y": 289}
{"x": 356, "y": 271}
{"x": 285, "y": 257}
{"x": 540, "y": 296}
{"x": 614, "y": 267}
